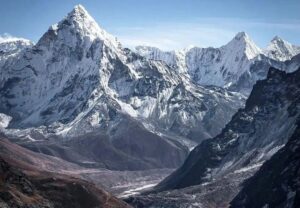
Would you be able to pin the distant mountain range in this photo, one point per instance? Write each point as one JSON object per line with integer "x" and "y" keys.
{"x": 235, "y": 66}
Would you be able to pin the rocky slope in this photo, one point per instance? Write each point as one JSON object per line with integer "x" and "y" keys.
{"x": 277, "y": 183}
{"x": 78, "y": 80}
{"x": 236, "y": 65}
{"x": 213, "y": 173}
{"x": 130, "y": 147}
{"x": 30, "y": 180}
{"x": 116, "y": 182}
{"x": 253, "y": 135}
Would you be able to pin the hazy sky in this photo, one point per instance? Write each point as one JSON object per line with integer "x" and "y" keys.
{"x": 168, "y": 24}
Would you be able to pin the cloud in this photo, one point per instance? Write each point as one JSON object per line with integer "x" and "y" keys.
{"x": 170, "y": 36}
{"x": 7, "y": 37}
{"x": 203, "y": 32}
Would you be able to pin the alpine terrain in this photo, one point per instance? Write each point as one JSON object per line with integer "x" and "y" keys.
{"x": 77, "y": 94}
{"x": 86, "y": 122}
{"x": 225, "y": 161}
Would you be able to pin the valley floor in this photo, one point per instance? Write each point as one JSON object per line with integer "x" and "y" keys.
{"x": 123, "y": 183}
{"x": 217, "y": 193}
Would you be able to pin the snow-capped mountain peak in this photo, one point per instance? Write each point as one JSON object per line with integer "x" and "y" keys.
{"x": 281, "y": 50}
{"x": 240, "y": 35}
{"x": 79, "y": 25}
{"x": 242, "y": 43}
{"x": 222, "y": 66}
{"x": 277, "y": 38}
{"x": 83, "y": 21}
{"x": 278, "y": 43}
{"x": 71, "y": 49}
{"x": 79, "y": 9}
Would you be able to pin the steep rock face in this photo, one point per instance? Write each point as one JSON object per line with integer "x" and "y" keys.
{"x": 25, "y": 183}
{"x": 256, "y": 70}
{"x": 244, "y": 143}
{"x": 277, "y": 183}
{"x": 293, "y": 63}
{"x": 153, "y": 53}
{"x": 175, "y": 59}
{"x": 59, "y": 67}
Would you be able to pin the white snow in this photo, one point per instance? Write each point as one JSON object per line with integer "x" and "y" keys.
{"x": 61, "y": 80}
{"x": 4, "y": 120}
{"x": 221, "y": 66}
{"x": 136, "y": 191}
{"x": 281, "y": 50}
{"x": 5, "y": 38}
{"x": 247, "y": 168}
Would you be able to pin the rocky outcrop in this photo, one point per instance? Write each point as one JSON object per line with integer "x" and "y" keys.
{"x": 253, "y": 135}
{"x": 277, "y": 183}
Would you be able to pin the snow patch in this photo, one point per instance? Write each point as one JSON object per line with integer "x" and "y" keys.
{"x": 4, "y": 120}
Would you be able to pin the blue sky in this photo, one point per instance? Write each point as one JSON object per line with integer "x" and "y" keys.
{"x": 168, "y": 24}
